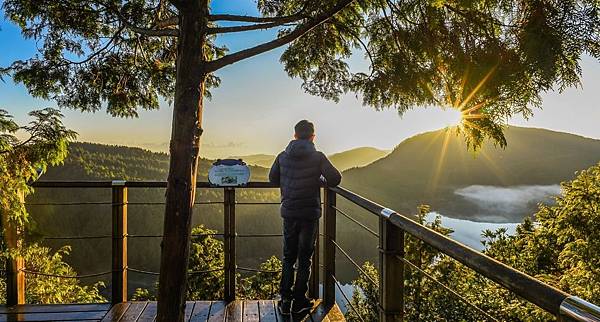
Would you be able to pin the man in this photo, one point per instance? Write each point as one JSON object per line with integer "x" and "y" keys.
{"x": 300, "y": 171}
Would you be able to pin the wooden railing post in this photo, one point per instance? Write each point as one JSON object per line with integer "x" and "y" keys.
{"x": 313, "y": 287}
{"x": 15, "y": 277}
{"x": 119, "y": 242}
{"x": 391, "y": 283}
{"x": 230, "y": 262}
{"x": 329, "y": 250}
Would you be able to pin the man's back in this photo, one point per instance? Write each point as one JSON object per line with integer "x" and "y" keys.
{"x": 298, "y": 171}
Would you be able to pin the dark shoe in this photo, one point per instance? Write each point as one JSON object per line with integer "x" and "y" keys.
{"x": 283, "y": 306}
{"x": 300, "y": 306}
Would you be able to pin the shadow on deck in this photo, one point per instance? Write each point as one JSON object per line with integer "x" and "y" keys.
{"x": 256, "y": 311}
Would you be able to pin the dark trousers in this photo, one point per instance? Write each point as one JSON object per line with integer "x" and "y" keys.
{"x": 299, "y": 237}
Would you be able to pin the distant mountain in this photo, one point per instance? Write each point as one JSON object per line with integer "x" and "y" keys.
{"x": 261, "y": 160}
{"x": 353, "y": 158}
{"x": 358, "y": 157}
{"x": 429, "y": 168}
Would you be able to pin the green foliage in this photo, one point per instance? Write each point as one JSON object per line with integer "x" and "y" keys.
{"x": 142, "y": 294}
{"x": 40, "y": 289}
{"x": 264, "y": 284}
{"x": 23, "y": 161}
{"x": 206, "y": 254}
{"x": 365, "y": 296}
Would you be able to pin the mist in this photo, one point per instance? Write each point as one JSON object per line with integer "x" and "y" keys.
{"x": 494, "y": 202}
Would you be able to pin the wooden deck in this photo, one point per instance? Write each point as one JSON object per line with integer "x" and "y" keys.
{"x": 207, "y": 311}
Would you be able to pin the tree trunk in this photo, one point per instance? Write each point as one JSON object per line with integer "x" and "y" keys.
{"x": 184, "y": 149}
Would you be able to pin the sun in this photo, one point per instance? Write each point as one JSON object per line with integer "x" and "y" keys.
{"x": 453, "y": 117}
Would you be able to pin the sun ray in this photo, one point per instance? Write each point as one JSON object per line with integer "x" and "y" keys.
{"x": 495, "y": 169}
{"x": 477, "y": 88}
{"x": 472, "y": 108}
{"x": 436, "y": 176}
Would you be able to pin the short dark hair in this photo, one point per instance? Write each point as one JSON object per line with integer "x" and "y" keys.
{"x": 304, "y": 129}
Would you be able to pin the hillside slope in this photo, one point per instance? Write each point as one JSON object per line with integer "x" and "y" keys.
{"x": 358, "y": 157}
{"x": 430, "y": 167}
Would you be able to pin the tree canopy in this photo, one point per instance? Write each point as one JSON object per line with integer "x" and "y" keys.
{"x": 488, "y": 58}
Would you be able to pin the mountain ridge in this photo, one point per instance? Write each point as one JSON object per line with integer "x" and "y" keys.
{"x": 430, "y": 167}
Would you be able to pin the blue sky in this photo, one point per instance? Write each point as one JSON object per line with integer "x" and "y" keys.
{"x": 257, "y": 105}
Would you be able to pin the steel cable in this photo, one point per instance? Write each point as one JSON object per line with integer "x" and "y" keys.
{"x": 433, "y": 279}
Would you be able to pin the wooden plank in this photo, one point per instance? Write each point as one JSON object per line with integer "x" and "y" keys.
{"x": 335, "y": 314}
{"x": 201, "y": 311}
{"x": 189, "y": 308}
{"x": 149, "y": 313}
{"x": 48, "y": 308}
{"x": 267, "y": 311}
{"x": 234, "y": 311}
{"x": 251, "y": 312}
{"x": 55, "y": 316}
{"x": 217, "y": 312}
{"x": 307, "y": 316}
{"x": 134, "y": 311}
{"x": 116, "y": 312}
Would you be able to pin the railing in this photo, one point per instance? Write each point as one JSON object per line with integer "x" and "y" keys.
{"x": 393, "y": 226}
{"x": 391, "y": 236}
{"x": 16, "y": 269}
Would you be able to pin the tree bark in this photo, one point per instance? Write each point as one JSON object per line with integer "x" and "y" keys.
{"x": 184, "y": 149}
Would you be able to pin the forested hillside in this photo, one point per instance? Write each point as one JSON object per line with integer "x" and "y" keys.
{"x": 90, "y": 161}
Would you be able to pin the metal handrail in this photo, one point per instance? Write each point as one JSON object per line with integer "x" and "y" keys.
{"x": 550, "y": 299}
{"x": 138, "y": 184}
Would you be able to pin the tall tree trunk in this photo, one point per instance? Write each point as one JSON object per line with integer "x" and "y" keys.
{"x": 184, "y": 149}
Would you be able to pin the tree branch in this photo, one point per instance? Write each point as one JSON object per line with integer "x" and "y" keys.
{"x": 239, "y": 18}
{"x": 169, "y": 22}
{"x": 90, "y": 57}
{"x": 298, "y": 32}
{"x": 150, "y": 32}
{"x": 173, "y": 21}
{"x": 222, "y": 30}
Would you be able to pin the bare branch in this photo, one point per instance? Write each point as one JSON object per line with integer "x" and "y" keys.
{"x": 298, "y": 32}
{"x": 174, "y": 21}
{"x": 90, "y": 57}
{"x": 150, "y": 32}
{"x": 240, "y": 18}
{"x": 222, "y": 30}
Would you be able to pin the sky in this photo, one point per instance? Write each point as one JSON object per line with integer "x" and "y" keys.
{"x": 256, "y": 106}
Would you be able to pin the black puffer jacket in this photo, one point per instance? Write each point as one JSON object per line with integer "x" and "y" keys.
{"x": 298, "y": 171}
